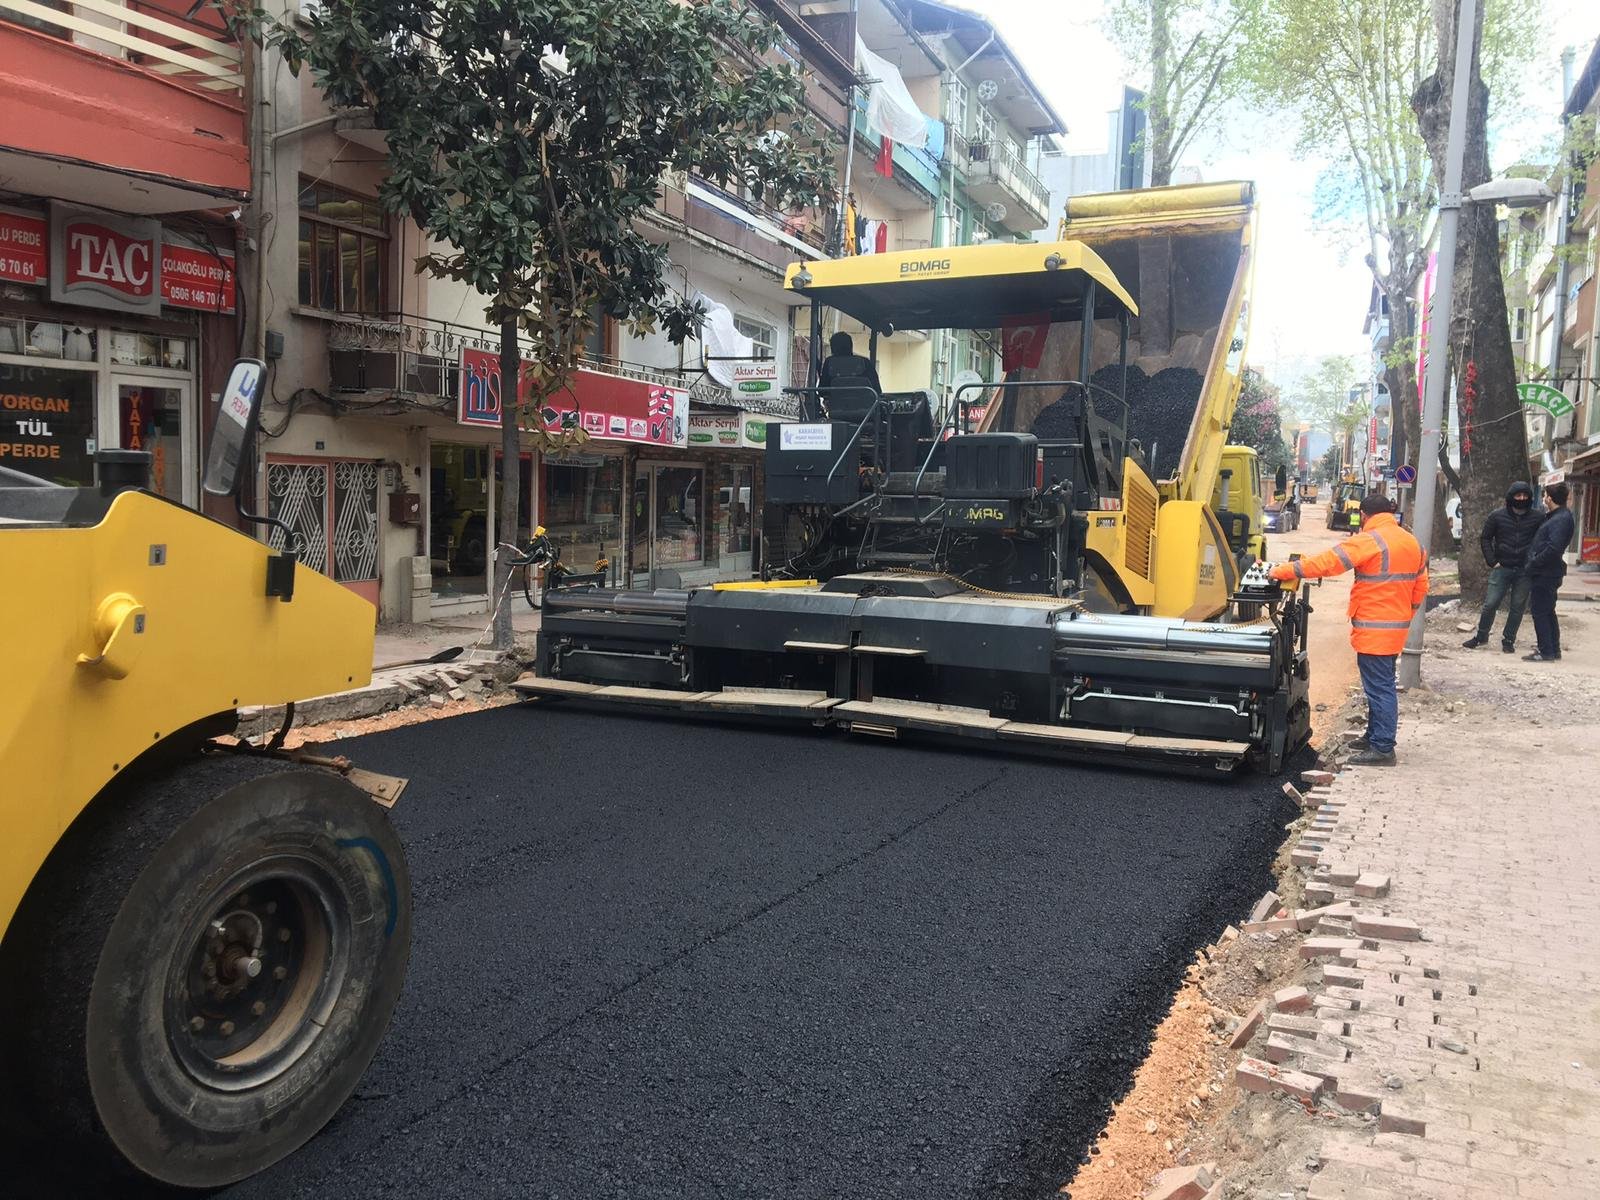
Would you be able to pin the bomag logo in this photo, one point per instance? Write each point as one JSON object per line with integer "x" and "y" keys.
{"x": 975, "y": 514}
{"x": 925, "y": 266}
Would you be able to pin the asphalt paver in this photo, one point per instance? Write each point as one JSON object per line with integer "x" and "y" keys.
{"x": 656, "y": 958}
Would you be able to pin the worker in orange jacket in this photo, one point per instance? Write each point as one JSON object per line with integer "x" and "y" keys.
{"x": 1390, "y": 586}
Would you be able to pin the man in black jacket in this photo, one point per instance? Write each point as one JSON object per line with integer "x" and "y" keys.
{"x": 1506, "y": 536}
{"x": 1545, "y": 568}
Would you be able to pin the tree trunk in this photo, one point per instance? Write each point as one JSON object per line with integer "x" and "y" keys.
{"x": 1158, "y": 114}
{"x": 1494, "y": 449}
{"x": 510, "y": 480}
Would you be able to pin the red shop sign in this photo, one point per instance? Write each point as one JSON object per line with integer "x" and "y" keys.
{"x": 609, "y": 407}
{"x": 192, "y": 277}
{"x": 24, "y": 247}
{"x": 105, "y": 261}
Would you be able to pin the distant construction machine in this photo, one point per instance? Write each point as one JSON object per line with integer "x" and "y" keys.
{"x": 1065, "y": 559}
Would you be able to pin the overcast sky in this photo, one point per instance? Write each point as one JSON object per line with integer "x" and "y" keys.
{"x": 1311, "y": 288}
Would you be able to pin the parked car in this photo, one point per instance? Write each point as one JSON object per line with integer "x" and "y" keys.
{"x": 1282, "y": 516}
{"x": 1452, "y": 509}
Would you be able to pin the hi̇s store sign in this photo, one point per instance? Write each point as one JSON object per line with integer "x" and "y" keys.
{"x": 608, "y": 407}
{"x": 125, "y": 264}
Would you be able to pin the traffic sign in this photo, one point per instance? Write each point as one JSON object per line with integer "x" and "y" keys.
{"x": 1405, "y": 475}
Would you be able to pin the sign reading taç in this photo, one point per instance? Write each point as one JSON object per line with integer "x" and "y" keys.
{"x": 105, "y": 261}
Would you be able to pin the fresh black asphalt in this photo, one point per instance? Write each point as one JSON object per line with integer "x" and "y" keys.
{"x": 666, "y": 959}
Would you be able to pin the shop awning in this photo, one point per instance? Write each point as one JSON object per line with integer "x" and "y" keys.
{"x": 1586, "y": 464}
{"x": 964, "y": 287}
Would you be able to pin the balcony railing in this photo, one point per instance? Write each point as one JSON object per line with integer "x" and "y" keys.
{"x": 420, "y": 357}
{"x": 143, "y": 34}
{"x": 1006, "y": 167}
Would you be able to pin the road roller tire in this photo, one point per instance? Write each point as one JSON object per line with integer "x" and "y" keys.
{"x": 213, "y": 956}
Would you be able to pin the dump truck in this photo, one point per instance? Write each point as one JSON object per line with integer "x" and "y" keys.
{"x": 201, "y": 939}
{"x": 1075, "y": 571}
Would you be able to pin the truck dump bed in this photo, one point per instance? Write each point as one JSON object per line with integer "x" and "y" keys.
{"x": 1185, "y": 255}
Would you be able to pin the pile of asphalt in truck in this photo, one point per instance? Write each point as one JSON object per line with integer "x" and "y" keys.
{"x": 1160, "y": 409}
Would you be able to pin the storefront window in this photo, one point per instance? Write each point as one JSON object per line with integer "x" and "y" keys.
{"x": 581, "y": 508}
{"x": 47, "y": 423}
{"x": 47, "y": 339}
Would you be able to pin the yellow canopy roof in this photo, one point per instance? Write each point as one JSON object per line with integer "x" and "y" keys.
{"x": 963, "y": 287}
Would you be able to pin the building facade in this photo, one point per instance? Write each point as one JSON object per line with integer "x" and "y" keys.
{"x": 124, "y": 163}
{"x": 1550, "y": 262}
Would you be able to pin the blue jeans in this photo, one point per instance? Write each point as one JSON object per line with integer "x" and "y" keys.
{"x": 1543, "y": 602}
{"x": 1383, "y": 702}
{"x": 1504, "y": 581}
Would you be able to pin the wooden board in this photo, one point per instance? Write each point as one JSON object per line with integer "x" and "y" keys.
{"x": 1022, "y": 731}
{"x": 773, "y": 702}
{"x": 1179, "y": 745}
{"x": 817, "y": 647}
{"x": 915, "y": 715}
{"x": 892, "y": 651}
{"x": 534, "y": 685}
{"x": 647, "y": 695}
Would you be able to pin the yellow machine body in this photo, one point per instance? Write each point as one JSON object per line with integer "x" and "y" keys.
{"x": 122, "y": 634}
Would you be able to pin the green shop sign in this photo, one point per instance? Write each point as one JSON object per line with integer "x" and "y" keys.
{"x": 1543, "y": 396}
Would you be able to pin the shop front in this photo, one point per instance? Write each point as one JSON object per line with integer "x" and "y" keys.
{"x": 580, "y": 498}
{"x": 101, "y": 337}
{"x": 692, "y": 513}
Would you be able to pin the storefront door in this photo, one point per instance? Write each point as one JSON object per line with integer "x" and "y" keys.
{"x": 459, "y": 501}
{"x": 669, "y": 523}
{"x": 153, "y": 415}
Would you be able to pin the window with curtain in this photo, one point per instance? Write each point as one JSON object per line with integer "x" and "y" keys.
{"x": 344, "y": 251}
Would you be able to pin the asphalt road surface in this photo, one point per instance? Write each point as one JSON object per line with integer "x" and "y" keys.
{"x": 667, "y": 959}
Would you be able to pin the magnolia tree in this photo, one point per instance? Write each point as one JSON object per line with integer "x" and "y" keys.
{"x": 1258, "y": 421}
{"x": 528, "y": 137}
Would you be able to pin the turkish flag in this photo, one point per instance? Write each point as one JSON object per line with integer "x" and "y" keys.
{"x": 1022, "y": 341}
{"x": 884, "y": 164}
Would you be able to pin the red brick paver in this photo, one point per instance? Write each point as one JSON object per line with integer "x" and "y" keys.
{"x": 1474, "y": 980}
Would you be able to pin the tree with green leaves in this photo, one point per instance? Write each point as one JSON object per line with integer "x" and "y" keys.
{"x": 530, "y": 136}
{"x": 1258, "y": 421}
{"x": 1328, "y": 398}
{"x": 1346, "y": 73}
{"x": 1493, "y": 447}
{"x": 1195, "y": 54}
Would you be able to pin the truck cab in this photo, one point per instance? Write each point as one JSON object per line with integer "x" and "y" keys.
{"x": 1238, "y": 504}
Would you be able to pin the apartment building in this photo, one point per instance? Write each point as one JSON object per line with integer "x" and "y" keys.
{"x": 124, "y": 164}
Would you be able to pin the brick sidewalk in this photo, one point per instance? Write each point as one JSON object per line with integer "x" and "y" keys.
{"x": 1480, "y": 1042}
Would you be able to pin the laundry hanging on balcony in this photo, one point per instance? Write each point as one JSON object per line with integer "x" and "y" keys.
{"x": 891, "y": 112}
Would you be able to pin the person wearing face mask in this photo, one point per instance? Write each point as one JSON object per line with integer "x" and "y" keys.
{"x": 1506, "y": 536}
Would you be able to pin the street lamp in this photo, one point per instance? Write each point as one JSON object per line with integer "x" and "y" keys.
{"x": 1514, "y": 193}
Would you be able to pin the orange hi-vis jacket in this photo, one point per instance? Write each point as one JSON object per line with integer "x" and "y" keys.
{"x": 1391, "y": 581}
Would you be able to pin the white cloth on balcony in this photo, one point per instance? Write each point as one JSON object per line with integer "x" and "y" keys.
{"x": 891, "y": 112}
{"x": 721, "y": 340}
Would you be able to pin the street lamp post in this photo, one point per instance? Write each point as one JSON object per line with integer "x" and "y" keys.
{"x": 1515, "y": 193}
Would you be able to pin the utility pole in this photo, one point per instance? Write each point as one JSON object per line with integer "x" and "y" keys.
{"x": 1438, "y": 366}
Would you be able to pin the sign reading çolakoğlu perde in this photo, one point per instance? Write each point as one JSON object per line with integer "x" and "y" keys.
{"x": 47, "y": 423}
